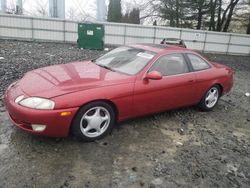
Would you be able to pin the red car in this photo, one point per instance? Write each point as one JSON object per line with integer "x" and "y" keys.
{"x": 87, "y": 98}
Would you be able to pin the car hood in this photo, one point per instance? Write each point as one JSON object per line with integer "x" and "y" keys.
{"x": 52, "y": 81}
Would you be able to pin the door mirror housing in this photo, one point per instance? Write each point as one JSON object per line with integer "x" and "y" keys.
{"x": 154, "y": 75}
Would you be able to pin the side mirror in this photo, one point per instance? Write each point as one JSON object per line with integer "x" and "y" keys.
{"x": 154, "y": 75}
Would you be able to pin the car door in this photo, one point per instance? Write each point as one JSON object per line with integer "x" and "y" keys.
{"x": 175, "y": 89}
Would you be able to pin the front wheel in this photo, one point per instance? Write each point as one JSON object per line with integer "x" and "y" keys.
{"x": 210, "y": 99}
{"x": 93, "y": 121}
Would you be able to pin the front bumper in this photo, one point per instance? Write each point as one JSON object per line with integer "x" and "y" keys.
{"x": 22, "y": 117}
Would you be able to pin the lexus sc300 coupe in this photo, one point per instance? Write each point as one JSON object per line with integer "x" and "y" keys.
{"x": 88, "y": 98}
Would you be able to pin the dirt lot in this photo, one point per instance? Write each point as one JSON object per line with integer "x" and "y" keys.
{"x": 213, "y": 150}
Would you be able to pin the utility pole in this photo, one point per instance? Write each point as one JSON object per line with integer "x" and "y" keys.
{"x": 57, "y": 8}
{"x": 3, "y": 6}
{"x": 19, "y": 7}
{"x": 101, "y": 10}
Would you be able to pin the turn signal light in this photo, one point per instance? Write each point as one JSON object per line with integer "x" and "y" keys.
{"x": 65, "y": 113}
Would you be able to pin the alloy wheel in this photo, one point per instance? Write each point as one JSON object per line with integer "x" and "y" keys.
{"x": 212, "y": 97}
{"x": 95, "y": 121}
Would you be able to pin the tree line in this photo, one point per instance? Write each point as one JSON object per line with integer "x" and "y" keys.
{"x": 115, "y": 13}
{"x": 213, "y": 15}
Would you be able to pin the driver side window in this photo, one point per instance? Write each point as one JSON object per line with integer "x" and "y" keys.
{"x": 171, "y": 64}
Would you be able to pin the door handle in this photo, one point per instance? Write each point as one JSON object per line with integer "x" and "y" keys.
{"x": 190, "y": 81}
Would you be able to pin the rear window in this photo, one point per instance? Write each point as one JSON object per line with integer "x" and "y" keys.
{"x": 197, "y": 62}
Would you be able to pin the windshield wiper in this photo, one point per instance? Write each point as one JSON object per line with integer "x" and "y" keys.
{"x": 106, "y": 67}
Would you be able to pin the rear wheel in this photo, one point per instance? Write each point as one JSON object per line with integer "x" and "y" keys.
{"x": 210, "y": 99}
{"x": 93, "y": 121}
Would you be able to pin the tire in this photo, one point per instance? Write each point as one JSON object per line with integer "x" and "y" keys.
{"x": 93, "y": 121}
{"x": 208, "y": 103}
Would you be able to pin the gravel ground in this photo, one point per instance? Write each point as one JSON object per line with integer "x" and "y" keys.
{"x": 180, "y": 148}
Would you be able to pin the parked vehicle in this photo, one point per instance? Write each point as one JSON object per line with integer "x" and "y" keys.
{"x": 87, "y": 98}
{"x": 174, "y": 41}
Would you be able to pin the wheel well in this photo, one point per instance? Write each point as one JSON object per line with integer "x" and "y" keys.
{"x": 217, "y": 84}
{"x": 108, "y": 102}
{"x": 221, "y": 88}
{"x": 102, "y": 100}
{"x": 113, "y": 106}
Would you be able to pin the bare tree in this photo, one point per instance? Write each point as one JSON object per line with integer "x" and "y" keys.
{"x": 41, "y": 8}
{"x": 248, "y": 25}
{"x": 196, "y": 10}
{"x": 71, "y": 14}
{"x": 228, "y": 19}
{"x": 224, "y": 15}
{"x": 214, "y": 14}
{"x": 242, "y": 16}
{"x": 78, "y": 13}
{"x": 11, "y": 7}
{"x": 148, "y": 9}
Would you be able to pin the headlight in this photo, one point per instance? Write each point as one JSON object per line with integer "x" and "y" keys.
{"x": 36, "y": 103}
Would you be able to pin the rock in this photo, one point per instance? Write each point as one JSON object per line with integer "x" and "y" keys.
{"x": 1, "y": 58}
{"x": 241, "y": 175}
{"x": 181, "y": 131}
{"x": 232, "y": 169}
{"x": 132, "y": 178}
{"x": 142, "y": 183}
{"x": 71, "y": 178}
{"x": 66, "y": 183}
{"x": 223, "y": 159}
{"x": 2, "y": 148}
{"x": 87, "y": 184}
{"x": 157, "y": 181}
{"x": 151, "y": 185}
{"x": 134, "y": 169}
{"x": 179, "y": 144}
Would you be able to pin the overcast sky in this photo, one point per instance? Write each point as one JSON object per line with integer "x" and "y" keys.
{"x": 74, "y": 9}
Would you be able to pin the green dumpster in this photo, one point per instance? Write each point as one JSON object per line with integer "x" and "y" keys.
{"x": 90, "y": 36}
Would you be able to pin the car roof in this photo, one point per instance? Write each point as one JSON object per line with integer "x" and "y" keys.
{"x": 160, "y": 48}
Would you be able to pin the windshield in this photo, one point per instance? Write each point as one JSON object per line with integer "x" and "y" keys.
{"x": 126, "y": 60}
